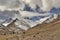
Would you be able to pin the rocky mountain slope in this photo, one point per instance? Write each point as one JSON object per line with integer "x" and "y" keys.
{"x": 41, "y": 32}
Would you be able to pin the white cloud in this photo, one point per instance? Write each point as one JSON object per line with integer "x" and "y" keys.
{"x": 45, "y": 5}
{"x": 31, "y": 14}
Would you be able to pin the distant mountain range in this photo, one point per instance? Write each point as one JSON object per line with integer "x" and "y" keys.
{"x": 28, "y": 13}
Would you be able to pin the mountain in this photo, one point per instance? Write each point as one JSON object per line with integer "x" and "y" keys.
{"x": 45, "y": 31}
{"x": 25, "y": 19}
{"x": 28, "y": 16}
